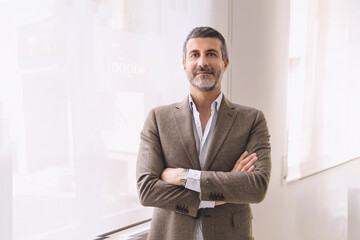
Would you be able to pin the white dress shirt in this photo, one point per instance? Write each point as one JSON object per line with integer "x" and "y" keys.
{"x": 203, "y": 141}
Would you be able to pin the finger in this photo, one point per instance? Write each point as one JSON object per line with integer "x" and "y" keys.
{"x": 239, "y": 160}
{"x": 243, "y": 155}
{"x": 251, "y": 168}
{"x": 249, "y": 164}
{"x": 239, "y": 165}
{"x": 217, "y": 203}
{"x": 245, "y": 161}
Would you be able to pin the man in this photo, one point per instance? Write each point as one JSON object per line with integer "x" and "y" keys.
{"x": 194, "y": 164}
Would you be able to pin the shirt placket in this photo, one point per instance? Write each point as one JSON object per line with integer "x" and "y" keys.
{"x": 203, "y": 137}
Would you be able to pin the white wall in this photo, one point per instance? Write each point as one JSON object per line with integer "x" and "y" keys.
{"x": 5, "y": 192}
{"x": 312, "y": 208}
{"x": 5, "y": 146}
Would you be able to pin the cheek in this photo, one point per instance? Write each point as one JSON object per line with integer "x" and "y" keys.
{"x": 190, "y": 67}
{"x": 219, "y": 67}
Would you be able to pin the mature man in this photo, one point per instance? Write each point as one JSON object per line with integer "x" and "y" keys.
{"x": 194, "y": 164}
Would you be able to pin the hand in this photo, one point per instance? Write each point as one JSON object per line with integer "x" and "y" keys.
{"x": 218, "y": 203}
{"x": 171, "y": 175}
{"x": 245, "y": 164}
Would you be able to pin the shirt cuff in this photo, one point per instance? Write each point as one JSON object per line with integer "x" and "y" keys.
{"x": 193, "y": 183}
{"x": 207, "y": 204}
{"x": 193, "y": 180}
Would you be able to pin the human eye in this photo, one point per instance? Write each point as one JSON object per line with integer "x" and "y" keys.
{"x": 194, "y": 55}
{"x": 212, "y": 54}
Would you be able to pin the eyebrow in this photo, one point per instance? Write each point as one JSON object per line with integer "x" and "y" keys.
{"x": 193, "y": 51}
{"x": 212, "y": 50}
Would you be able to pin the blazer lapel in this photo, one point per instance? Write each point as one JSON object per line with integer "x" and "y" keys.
{"x": 225, "y": 120}
{"x": 183, "y": 123}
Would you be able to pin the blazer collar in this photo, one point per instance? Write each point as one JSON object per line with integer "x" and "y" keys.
{"x": 225, "y": 120}
{"x": 183, "y": 123}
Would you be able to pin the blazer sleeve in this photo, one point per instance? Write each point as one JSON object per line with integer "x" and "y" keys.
{"x": 150, "y": 164}
{"x": 242, "y": 187}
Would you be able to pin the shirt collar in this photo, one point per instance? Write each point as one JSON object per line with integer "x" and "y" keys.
{"x": 216, "y": 103}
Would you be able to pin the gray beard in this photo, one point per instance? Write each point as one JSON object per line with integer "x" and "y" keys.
{"x": 205, "y": 84}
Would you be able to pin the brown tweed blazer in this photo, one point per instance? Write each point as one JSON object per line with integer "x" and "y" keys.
{"x": 167, "y": 140}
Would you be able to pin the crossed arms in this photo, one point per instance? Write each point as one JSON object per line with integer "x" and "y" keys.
{"x": 244, "y": 164}
{"x": 157, "y": 180}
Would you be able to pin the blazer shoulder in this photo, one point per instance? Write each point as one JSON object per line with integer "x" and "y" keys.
{"x": 166, "y": 107}
{"x": 165, "y": 110}
{"x": 239, "y": 107}
{"x": 247, "y": 110}
{"x": 249, "y": 114}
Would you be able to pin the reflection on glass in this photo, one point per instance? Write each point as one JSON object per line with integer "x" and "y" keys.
{"x": 323, "y": 100}
{"x": 79, "y": 80}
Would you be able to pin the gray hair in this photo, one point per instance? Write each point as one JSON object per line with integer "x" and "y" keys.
{"x": 205, "y": 32}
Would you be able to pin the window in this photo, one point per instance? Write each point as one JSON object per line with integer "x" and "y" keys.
{"x": 78, "y": 80}
{"x": 323, "y": 86}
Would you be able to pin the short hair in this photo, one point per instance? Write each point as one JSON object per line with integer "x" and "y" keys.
{"x": 205, "y": 32}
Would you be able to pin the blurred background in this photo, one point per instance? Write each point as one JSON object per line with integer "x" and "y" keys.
{"x": 77, "y": 79}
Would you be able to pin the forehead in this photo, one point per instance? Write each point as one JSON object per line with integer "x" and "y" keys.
{"x": 203, "y": 44}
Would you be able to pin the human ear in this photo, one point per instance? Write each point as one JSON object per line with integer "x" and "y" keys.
{"x": 226, "y": 63}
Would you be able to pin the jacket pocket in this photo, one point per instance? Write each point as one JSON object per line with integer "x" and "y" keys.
{"x": 242, "y": 222}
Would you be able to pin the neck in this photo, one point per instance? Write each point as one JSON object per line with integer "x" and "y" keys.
{"x": 203, "y": 100}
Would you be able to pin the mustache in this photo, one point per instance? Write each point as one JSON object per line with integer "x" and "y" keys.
{"x": 204, "y": 69}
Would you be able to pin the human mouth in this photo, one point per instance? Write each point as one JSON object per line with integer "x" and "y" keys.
{"x": 204, "y": 71}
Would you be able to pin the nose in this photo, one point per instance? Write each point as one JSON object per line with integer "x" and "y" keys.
{"x": 203, "y": 61}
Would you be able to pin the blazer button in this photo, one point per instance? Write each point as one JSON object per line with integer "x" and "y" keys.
{"x": 221, "y": 197}
{"x": 179, "y": 208}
